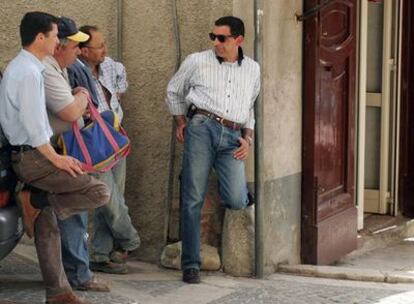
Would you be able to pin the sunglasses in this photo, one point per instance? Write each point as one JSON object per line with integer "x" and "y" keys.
{"x": 220, "y": 38}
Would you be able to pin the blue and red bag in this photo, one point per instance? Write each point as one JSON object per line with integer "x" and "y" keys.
{"x": 100, "y": 144}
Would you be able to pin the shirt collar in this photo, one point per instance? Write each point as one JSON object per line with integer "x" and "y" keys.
{"x": 239, "y": 59}
{"x": 53, "y": 62}
{"x": 33, "y": 59}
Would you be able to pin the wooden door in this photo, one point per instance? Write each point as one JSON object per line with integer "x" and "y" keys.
{"x": 329, "y": 216}
{"x": 406, "y": 178}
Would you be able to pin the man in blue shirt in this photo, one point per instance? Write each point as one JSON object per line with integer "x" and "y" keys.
{"x": 59, "y": 187}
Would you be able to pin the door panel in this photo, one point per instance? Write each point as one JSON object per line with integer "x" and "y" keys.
{"x": 406, "y": 178}
{"x": 329, "y": 218}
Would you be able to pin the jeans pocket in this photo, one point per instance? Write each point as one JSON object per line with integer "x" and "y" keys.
{"x": 199, "y": 120}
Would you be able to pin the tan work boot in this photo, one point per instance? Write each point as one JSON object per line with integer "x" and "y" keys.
{"x": 95, "y": 284}
{"x": 66, "y": 298}
{"x": 29, "y": 212}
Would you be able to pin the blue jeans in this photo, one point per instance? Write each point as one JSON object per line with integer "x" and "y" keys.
{"x": 113, "y": 228}
{"x": 207, "y": 145}
{"x": 75, "y": 256}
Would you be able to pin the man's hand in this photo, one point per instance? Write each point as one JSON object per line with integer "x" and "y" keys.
{"x": 69, "y": 164}
{"x": 80, "y": 89}
{"x": 181, "y": 124}
{"x": 243, "y": 151}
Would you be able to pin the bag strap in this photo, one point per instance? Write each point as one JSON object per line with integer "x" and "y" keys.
{"x": 97, "y": 117}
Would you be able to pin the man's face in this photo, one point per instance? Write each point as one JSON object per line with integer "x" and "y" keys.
{"x": 229, "y": 48}
{"x": 51, "y": 40}
{"x": 69, "y": 53}
{"x": 95, "y": 51}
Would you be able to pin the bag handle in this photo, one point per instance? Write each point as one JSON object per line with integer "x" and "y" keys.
{"x": 96, "y": 117}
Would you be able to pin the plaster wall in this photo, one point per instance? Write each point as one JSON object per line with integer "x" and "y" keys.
{"x": 282, "y": 131}
{"x": 102, "y": 14}
{"x": 282, "y": 98}
{"x": 150, "y": 54}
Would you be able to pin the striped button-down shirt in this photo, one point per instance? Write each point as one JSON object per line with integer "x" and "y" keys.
{"x": 226, "y": 89}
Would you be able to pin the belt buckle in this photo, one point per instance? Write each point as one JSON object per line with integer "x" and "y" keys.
{"x": 221, "y": 120}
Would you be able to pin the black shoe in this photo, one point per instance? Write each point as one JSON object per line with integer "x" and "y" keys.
{"x": 191, "y": 276}
{"x": 251, "y": 199}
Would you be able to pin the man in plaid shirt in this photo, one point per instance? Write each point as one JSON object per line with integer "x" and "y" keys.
{"x": 114, "y": 234}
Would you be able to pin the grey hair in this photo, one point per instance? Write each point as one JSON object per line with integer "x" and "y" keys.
{"x": 63, "y": 42}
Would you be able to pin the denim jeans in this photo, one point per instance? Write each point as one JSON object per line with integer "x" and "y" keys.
{"x": 207, "y": 145}
{"x": 113, "y": 228}
{"x": 75, "y": 255}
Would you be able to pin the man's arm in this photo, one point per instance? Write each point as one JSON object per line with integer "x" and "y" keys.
{"x": 65, "y": 163}
{"x": 181, "y": 122}
{"x": 75, "y": 110}
{"x": 177, "y": 89}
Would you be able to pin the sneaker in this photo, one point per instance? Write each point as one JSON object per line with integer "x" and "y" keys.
{"x": 119, "y": 256}
{"x": 191, "y": 276}
{"x": 108, "y": 267}
{"x": 66, "y": 298}
{"x": 29, "y": 213}
{"x": 94, "y": 284}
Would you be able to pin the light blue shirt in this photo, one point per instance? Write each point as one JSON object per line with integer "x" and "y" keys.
{"x": 23, "y": 115}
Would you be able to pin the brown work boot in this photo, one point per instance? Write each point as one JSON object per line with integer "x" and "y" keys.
{"x": 108, "y": 267}
{"x": 29, "y": 212}
{"x": 119, "y": 256}
{"x": 66, "y": 298}
{"x": 95, "y": 284}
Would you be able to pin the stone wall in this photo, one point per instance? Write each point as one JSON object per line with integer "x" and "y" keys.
{"x": 149, "y": 53}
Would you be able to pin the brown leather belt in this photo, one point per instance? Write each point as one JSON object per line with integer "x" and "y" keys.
{"x": 227, "y": 123}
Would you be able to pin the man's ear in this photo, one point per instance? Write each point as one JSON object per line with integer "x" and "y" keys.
{"x": 58, "y": 48}
{"x": 40, "y": 37}
{"x": 84, "y": 52}
{"x": 240, "y": 39}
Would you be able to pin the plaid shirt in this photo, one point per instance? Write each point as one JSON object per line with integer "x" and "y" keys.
{"x": 112, "y": 77}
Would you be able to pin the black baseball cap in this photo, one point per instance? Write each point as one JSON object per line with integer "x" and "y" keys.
{"x": 67, "y": 29}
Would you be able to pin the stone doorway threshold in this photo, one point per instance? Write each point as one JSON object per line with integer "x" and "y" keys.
{"x": 385, "y": 254}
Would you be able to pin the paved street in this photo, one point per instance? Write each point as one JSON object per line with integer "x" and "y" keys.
{"x": 20, "y": 282}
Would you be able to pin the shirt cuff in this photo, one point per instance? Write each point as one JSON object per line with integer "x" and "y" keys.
{"x": 178, "y": 109}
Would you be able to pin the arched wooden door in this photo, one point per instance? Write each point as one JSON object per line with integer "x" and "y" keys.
{"x": 329, "y": 216}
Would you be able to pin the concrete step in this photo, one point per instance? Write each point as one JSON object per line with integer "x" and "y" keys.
{"x": 381, "y": 231}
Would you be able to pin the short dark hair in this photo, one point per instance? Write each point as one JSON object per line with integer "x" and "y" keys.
{"x": 235, "y": 24}
{"x": 87, "y": 29}
{"x": 34, "y": 23}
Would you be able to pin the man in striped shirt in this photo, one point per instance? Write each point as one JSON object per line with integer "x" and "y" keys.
{"x": 217, "y": 89}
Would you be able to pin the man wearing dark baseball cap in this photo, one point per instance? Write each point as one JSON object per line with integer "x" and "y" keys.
{"x": 67, "y": 29}
{"x": 65, "y": 106}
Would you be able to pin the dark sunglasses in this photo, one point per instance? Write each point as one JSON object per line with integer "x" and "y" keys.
{"x": 220, "y": 38}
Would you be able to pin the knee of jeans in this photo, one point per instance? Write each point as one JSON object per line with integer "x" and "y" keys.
{"x": 235, "y": 202}
{"x": 100, "y": 194}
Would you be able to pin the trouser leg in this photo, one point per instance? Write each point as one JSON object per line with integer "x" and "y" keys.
{"x": 48, "y": 247}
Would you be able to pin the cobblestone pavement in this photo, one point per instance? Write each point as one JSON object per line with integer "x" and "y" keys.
{"x": 20, "y": 282}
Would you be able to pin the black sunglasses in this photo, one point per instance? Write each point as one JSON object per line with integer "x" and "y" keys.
{"x": 220, "y": 38}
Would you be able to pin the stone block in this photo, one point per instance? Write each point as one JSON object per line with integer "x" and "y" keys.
{"x": 171, "y": 257}
{"x": 238, "y": 242}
